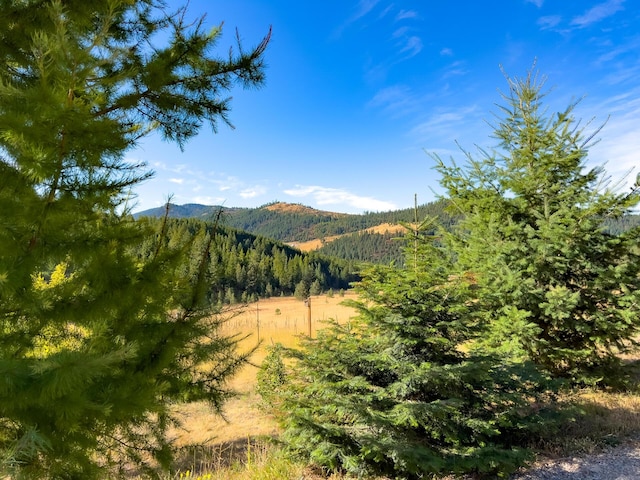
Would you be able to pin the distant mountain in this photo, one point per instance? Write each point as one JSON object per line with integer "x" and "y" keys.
{"x": 298, "y": 223}
{"x": 367, "y": 237}
{"x": 188, "y": 210}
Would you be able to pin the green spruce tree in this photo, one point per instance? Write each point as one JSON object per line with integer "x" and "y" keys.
{"x": 97, "y": 342}
{"x": 395, "y": 392}
{"x": 552, "y": 284}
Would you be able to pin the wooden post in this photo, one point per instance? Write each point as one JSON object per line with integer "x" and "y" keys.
{"x": 307, "y": 303}
{"x": 258, "y": 318}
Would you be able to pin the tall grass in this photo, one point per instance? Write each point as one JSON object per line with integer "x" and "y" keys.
{"x": 603, "y": 419}
{"x": 254, "y": 460}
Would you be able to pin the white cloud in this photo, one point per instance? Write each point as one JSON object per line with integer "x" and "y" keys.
{"x": 619, "y": 148}
{"x": 597, "y": 13}
{"x": 179, "y": 181}
{"x": 207, "y": 200}
{"x": 404, "y": 14}
{"x": 446, "y": 52}
{"x": 537, "y": 3}
{"x": 412, "y": 47}
{"x": 624, "y": 73}
{"x": 549, "y": 21}
{"x": 363, "y": 9}
{"x": 614, "y": 53}
{"x": 222, "y": 181}
{"x": 396, "y": 99}
{"x": 455, "y": 69}
{"x": 386, "y": 11}
{"x": 446, "y": 125}
{"x": 336, "y": 196}
{"x": 253, "y": 192}
{"x": 400, "y": 32}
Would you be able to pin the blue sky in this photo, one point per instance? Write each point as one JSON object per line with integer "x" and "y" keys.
{"x": 358, "y": 92}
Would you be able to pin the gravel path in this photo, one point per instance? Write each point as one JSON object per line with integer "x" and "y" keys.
{"x": 617, "y": 463}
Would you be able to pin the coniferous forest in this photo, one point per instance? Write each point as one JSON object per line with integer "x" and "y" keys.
{"x": 243, "y": 267}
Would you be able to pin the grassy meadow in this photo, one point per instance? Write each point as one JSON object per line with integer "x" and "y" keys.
{"x": 239, "y": 436}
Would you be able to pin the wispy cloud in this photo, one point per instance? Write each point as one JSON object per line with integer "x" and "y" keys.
{"x": 446, "y": 52}
{"x": 397, "y": 100}
{"x": 626, "y": 73}
{"x": 400, "y": 32}
{"x": 445, "y": 125}
{"x": 336, "y": 196}
{"x": 613, "y": 53}
{"x": 597, "y": 13}
{"x": 548, "y": 22}
{"x": 455, "y": 69}
{"x": 404, "y": 14}
{"x": 412, "y": 47}
{"x": 619, "y": 141}
{"x": 386, "y": 11}
{"x": 537, "y": 3}
{"x": 179, "y": 181}
{"x": 253, "y": 192}
{"x": 363, "y": 8}
{"x": 207, "y": 200}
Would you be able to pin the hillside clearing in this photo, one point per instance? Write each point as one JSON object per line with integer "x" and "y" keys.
{"x": 318, "y": 243}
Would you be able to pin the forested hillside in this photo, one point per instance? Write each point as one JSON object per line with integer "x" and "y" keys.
{"x": 297, "y": 223}
{"x": 243, "y": 267}
{"x": 381, "y": 248}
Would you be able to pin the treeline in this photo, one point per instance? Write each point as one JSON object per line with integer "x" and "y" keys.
{"x": 243, "y": 267}
{"x": 355, "y": 245}
{"x": 616, "y": 226}
{"x": 304, "y": 224}
{"x": 383, "y": 248}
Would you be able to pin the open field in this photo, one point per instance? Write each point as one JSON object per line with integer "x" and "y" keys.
{"x": 273, "y": 320}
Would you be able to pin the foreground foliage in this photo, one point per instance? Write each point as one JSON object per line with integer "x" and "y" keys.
{"x": 553, "y": 284}
{"x": 95, "y": 341}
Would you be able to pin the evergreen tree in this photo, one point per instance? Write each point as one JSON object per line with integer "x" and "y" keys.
{"x": 97, "y": 342}
{"x": 553, "y": 284}
{"x": 393, "y": 391}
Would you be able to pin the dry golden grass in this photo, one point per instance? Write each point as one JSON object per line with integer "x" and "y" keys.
{"x": 242, "y": 417}
{"x": 318, "y": 243}
{"x": 605, "y": 419}
{"x": 298, "y": 208}
{"x": 251, "y": 460}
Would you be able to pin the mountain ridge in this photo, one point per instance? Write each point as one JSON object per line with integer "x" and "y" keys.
{"x": 359, "y": 237}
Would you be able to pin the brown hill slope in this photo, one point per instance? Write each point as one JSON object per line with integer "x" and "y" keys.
{"x": 283, "y": 207}
{"x": 317, "y": 243}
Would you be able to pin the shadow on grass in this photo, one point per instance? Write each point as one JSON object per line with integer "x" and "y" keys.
{"x": 200, "y": 459}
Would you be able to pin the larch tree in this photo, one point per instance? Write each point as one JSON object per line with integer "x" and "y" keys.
{"x": 552, "y": 284}
{"x": 97, "y": 342}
